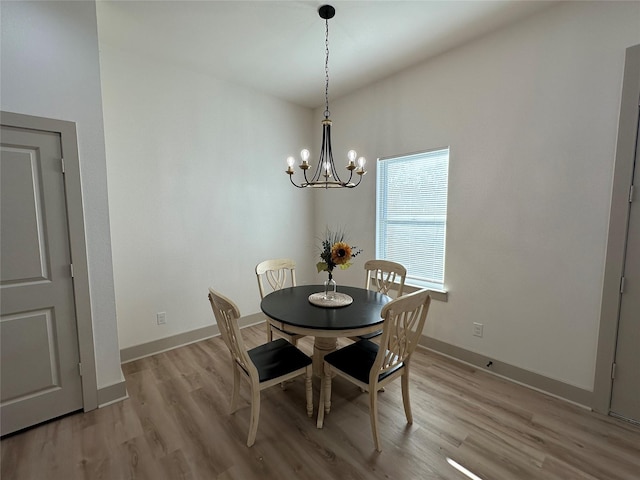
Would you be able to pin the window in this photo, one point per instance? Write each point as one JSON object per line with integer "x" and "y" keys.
{"x": 411, "y": 214}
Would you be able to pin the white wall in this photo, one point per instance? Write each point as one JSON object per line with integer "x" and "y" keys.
{"x": 198, "y": 194}
{"x": 530, "y": 114}
{"x": 50, "y": 69}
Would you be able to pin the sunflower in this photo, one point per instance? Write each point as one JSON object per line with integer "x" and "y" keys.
{"x": 335, "y": 252}
{"x": 340, "y": 253}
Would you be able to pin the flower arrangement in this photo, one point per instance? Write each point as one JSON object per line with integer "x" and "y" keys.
{"x": 335, "y": 252}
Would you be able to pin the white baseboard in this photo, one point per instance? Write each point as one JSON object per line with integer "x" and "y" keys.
{"x": 112, "y": 393}
{"x": 555, "y": 388}
{"x": 135, "y": 352}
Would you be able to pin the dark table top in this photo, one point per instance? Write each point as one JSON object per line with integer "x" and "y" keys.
{"x": 292, "y": 307}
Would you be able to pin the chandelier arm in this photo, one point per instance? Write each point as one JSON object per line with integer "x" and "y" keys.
{"x": 346, "y": 184}
{"x": 294, "y": 183}
{"x": 322, "y": 158}
{"x": 318, "y": 174}
{"x": 304, "y": 172}
{"x": 326, "y": 148}
{"x": 329, "y": 151}
{"x": 354, "y": 185}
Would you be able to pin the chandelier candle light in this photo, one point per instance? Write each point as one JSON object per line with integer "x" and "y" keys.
{"x": 326, "y": 175}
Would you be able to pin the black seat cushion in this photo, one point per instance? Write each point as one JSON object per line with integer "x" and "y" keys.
{"x": 357, "y": 359}
{"x": 277, "y": 358}
{"x": 369, "y": 336}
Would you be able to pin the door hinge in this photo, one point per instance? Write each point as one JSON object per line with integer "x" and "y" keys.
{"x": 622, "y": 285}
{"x": 62, "y": 164}
{"x": 80, "y": 368}
{"x": 613, "y": 371}
{"x": 631, "y": 190}
{"x": 71, "y": 269}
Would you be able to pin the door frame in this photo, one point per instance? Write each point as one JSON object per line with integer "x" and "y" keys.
{"x": 77, "y": 241}
{"x": 618, "y": 229}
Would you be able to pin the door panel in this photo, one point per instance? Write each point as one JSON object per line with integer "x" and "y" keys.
{"x": 39, "y": 374}
{"x": 625, "y": 394}
{"x": 23, "y": 224}
{"x": 34, "y": 369}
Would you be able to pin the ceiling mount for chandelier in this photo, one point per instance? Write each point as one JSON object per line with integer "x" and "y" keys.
{"x": 326, "y": 175}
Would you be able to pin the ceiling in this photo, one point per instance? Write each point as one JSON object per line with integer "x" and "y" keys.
{"x": 278, "y": 47}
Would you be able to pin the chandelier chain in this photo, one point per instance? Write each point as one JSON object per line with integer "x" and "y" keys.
{"x": 326, "y": 70}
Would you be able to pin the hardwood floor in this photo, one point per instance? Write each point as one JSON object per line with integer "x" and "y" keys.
{"x": 175, "y": 425}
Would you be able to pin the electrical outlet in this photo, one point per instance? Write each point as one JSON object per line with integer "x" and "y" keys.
{"x": 161, "y": 317}
{"x": 477, "y": 329}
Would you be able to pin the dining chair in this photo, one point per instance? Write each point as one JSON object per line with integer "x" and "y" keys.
{"x": 382, "y": 274}
{"x": 381, "y": 277}
{"x": 263, "y": 366}
{"x": 371, "y": 366}
{"x": 277, "y": 274}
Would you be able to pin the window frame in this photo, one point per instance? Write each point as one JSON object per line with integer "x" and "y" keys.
{"x": 382, "y": 196}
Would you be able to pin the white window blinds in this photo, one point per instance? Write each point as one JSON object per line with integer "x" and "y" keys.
{"x": 412, "y": 214}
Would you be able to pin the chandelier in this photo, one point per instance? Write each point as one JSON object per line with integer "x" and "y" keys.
{"x": 326, "y": 175}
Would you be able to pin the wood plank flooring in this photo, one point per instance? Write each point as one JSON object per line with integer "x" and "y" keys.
{"x": 175, "y": 425}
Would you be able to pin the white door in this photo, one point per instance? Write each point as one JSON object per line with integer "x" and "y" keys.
{"x": 625, "y": 393}
{"x": 39, "y": 377}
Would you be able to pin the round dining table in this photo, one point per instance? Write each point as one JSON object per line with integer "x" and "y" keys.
{"x": 291, "y": 310}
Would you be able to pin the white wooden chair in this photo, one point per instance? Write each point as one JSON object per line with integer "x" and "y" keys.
{"x": 371, "y": 366}
{"x": 277, "y": 274}
{"x": 262, "y": 366}
{"x": 381, "y": 277}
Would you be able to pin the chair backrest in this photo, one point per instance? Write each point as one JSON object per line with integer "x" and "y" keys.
{"x": 404, "y": 320}
{"x": 275, "y": 272}
{"x": 227, "y": 314}
{"x": 382, "y": 274}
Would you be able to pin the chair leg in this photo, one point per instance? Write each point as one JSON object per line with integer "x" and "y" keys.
{"x": 235, "y": 393}
{"x": 255, "y": 414}
{"x": 320, "y": 419}
{"x": 327, "y": 388}
{"x": 373, "y": 412}
{"x": 269, "y": 332}
{"x": 309, "y": 391}
{"x": 324, "y": 385}
{"x": 405, "y": 396}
